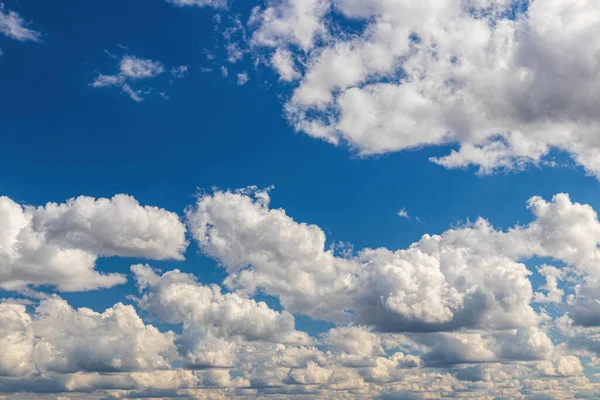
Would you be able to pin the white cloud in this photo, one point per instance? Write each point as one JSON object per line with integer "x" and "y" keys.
{"x": 137, "y": 68}
{"x": 57, "y": 338}
{"x": 112, "y": 227}
{"x": 505, "y": 90}
{"x": 15, "y": 27}
{"x": 58, "y": 244}
{"x": 296, "y": 22}
{"x": 108, "y": 80}
{"x": 403, "y": 213}
{"x": 133, "y": 69}
{"x": 242, "y": 79}
{"x": 284, "y": 65}
{"x": 224, "y": 71}
{"x": 440, "y": 282}
{"x": 176, "y": 297}
{"x": 180, "y": 72}
{"x": 450, "y": 314}
{"x": 135, "y": 95}
{"x": 199, "y": 3}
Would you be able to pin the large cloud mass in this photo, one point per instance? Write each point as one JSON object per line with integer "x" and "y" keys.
{"x": 505, "y": 81}
{"x": 456, "y": 312}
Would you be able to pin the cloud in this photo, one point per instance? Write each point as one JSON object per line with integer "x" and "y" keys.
{"x": 297, "y": 22}
{"x": 131, "y": 70}
{"x": 450, "y": 314}
{"x": 284, "y": 65}
{"x": 57, "y": 338}
{"x": 179, "y": 72}
{"x": 242, "y": 79}
{"x": 58, "y": 244}
{"x": 442, "y": 282}
{"x": 504, "y": 81}
{"x": 210, "y": 316}
{"x": 15, "y": 27}
{"x": 199, "y": 3}
{"x": 403, "y": 213}
{"x": 137, "y": 68}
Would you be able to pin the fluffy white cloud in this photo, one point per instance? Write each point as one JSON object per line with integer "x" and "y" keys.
{"x": 438, "y": 283}
{"x": 212, "y": 320}
{"x": 461, "y": 300}
{"x": 57, "y": 338}
{"x": 15, "y": 27}
{"x": 297, "y": 22}
{"x": 284, "y": 65}
{"x": 469, "y": 277}
{"x": 113, "y": 227}
{"x": 58, "y": 244}
{"x": 507, "y": 81}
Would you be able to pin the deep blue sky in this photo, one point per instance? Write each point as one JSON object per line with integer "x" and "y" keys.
{"x": 61, "y": 138}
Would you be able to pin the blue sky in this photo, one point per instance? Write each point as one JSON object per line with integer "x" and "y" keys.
{"x": 63, "y": 138}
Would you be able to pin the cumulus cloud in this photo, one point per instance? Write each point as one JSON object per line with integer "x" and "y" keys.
{"x": 15, "y": 27}
{"x": 451, "y": 313}
{"x": 439, "y": 283}
{"x": 505, "y": 81}
{"x": 208, "y": 315}
{"x": 469, "y": 277}
{"x": 58, "y": 244}
{"x": 57, "y": 338}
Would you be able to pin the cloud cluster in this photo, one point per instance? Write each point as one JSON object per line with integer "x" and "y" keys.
{"x": 133, "y": 70}
{"x": 504, "y": 81}
{"x": 58, "y": 244}
{"x": 452, "y": 313}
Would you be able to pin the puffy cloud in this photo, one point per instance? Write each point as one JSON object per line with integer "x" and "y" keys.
{"x": 15, "y": 27}
{"x": 284, "y": 65}
{"x": 58, "y": 244}
{"x": 263, "y": 248}
{"x": 57, "y": 338}
{"x": 297, "y": 22}
{"x": 113, "y": 227}
{"x": 506, "y": 81}
{"x": 439, "y": 283}
{"x": 470, "y": 276}
{"x": 210, "y": 316}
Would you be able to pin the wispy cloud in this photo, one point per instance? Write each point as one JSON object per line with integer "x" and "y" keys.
{"x": 15, "y": 27}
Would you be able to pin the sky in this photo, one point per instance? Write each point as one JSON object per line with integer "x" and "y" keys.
{"x": 306, "y": 199}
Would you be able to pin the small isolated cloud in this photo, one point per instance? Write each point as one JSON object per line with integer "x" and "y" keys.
{"x": 242, "y": 78}
{"x": 179, "y": 72}
{"x": 224, "y": 71}
{"x": 137, "y": 68}
{"x": 199, "y": 3}
{"x": 133, "y": 69}
{"x": 135, "y": 95}
{"x": 403, "y": 213}
{"x": 15, "y": 27}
